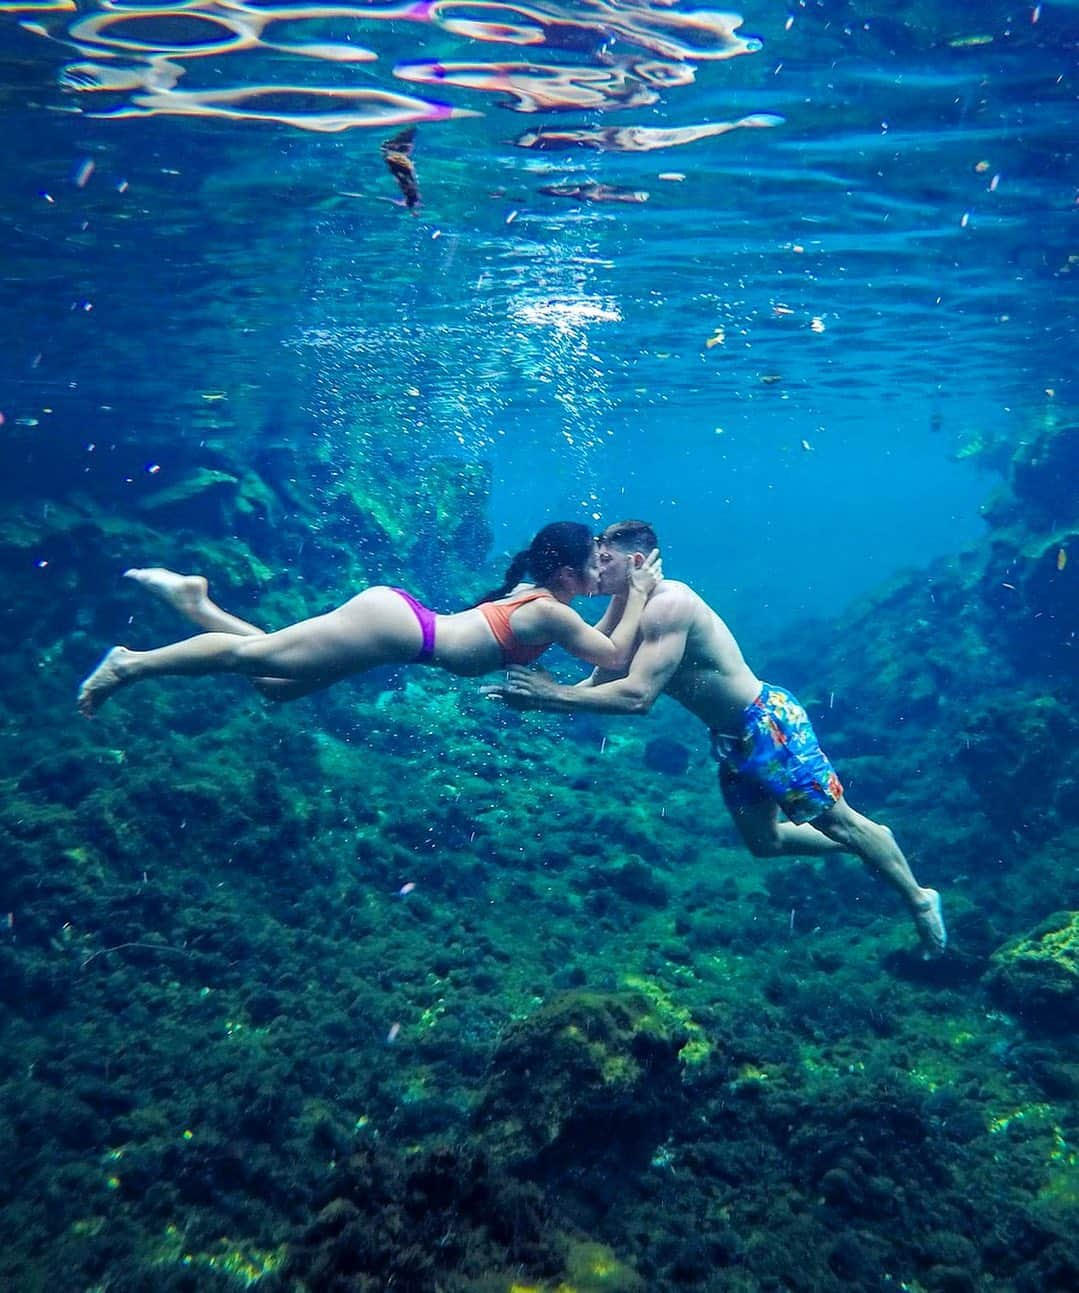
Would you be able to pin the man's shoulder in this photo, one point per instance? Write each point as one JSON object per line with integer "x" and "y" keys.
{"x": 672, "y": 591}
{"x": 672, "y": 604}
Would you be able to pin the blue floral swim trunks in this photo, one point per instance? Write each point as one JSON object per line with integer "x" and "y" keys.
{"x": 776, "y": 757}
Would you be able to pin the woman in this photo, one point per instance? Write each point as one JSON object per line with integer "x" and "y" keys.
{"x": 513, "y": 624}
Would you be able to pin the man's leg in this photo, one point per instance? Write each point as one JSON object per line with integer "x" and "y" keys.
{"x": 766, "y": 836}
{"x": 876, "y": 846}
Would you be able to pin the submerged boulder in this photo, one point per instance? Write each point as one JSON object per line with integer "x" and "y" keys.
{"x": 1037, "y": 975}
{"x": 588, "y": 1076}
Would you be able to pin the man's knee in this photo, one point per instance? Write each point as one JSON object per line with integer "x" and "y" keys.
{"x": 764, "y": 845}
{"x": 850, "y": 828}
{"x": 841, "y": 832}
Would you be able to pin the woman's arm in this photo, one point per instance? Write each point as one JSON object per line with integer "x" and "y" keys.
{"x": 608, "y": 621}
{"x": 587, "y": 643}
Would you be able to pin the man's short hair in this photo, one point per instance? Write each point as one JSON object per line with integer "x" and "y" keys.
{"x": 630, "y": 536}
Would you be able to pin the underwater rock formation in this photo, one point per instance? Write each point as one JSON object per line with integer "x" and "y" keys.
{"x": 588, "y": 1076}
{"x": 440, "y": 1221}
{"x": 1037, "y": 975}
{"x": 1028, "y": 584}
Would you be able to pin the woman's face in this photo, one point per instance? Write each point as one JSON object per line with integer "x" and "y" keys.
{"x": 590, "y": 575}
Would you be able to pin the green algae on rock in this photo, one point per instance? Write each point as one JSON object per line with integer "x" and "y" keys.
{"x": 589, "y": 1073}
{"x": 1037, "y": 974}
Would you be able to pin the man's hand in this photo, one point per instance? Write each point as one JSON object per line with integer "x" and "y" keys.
{"x": 523, "y": 688}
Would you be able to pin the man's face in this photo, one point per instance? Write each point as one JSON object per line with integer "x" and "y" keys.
{"x": 614, "y": 567}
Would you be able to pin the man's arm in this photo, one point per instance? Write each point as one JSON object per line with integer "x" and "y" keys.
{"x": 663, "y": 643}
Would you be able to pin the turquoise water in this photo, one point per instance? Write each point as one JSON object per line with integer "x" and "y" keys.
{"x": 390, "y": 990}
{"x": 911, "y": 205}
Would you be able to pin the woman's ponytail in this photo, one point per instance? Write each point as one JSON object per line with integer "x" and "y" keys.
{"x": 515, "y": 572}
{"x": 562, "y": 543}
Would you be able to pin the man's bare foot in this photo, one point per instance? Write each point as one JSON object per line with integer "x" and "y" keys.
{"x": 929, "y": 921}
{"x": 185, "y": 593}
{"x": 99, "y": 686}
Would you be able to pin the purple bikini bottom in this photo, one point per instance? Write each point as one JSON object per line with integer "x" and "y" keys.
{"x": 426, "y": 618}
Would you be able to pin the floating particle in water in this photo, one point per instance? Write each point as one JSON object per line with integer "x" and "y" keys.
{"x": 981, "y": 167}
{"x": 994, "y": 182}
{"x": 965, "y": 220}
{"x": 393, "y": 1034}
{"x": 672, "y": 177}
{"x": 806, "y": 446}
{"x": 966, "y": 42}
{"x": 1062, "y": 558}
{"x": 716, "y": 339}
{"x": 511, "y": 217}
{"x": 816, "y": 324}
{"x": 407, "y": 888}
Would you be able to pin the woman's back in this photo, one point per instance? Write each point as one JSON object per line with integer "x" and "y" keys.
{"x": 493, "y": 634}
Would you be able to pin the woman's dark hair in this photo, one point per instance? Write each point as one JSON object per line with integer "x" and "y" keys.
{"x": 562, "y": 543}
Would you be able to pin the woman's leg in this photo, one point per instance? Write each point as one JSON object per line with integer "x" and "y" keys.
{"x": 374, "y": 628}
{"x": 189, "y": 594}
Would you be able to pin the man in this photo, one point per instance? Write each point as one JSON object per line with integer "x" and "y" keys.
{"x": 768, "y": 754}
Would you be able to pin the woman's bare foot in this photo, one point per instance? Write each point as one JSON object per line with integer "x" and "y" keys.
{"x": 929, "y": 921}
{"x": 99, "y": 686}
{"x": 185, "y": 593}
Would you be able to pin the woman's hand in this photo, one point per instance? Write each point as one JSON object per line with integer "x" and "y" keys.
{"x": 646, "y": 578}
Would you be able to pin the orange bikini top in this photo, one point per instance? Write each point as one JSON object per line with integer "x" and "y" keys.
{"x": 497, "y": 615}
